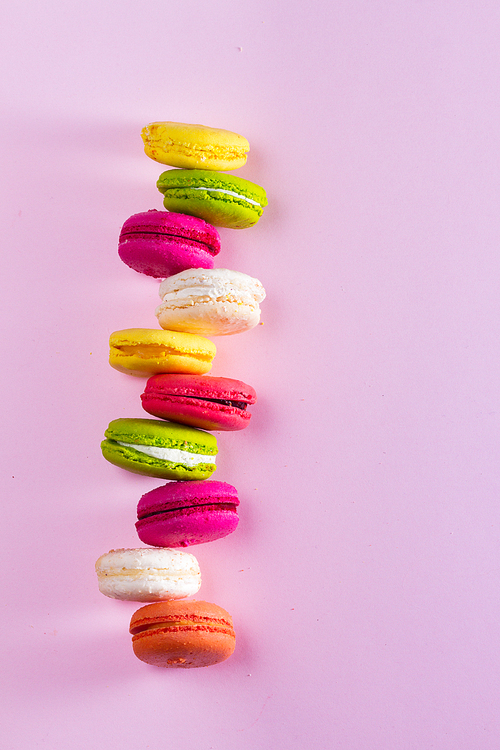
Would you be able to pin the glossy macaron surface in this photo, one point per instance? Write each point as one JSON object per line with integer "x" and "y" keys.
{"x": 179, "y": 144}
{"x": 203, "y": 401}
{"x": 221, "y": 199}
{"x": 182, "y": 634}
{"x": 180, "y": 514}
{"x": 161, "y": 243}
{"x": 160, "y": 449}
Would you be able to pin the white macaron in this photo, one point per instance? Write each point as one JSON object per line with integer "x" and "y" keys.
{"x": 148, "y": 575}
{"x": 210, "y": 302}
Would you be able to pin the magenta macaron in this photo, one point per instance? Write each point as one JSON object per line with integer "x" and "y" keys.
{"x": 207, "y": 402}
{"x": 179, "y": 514}
{"x": 161, "y": 243}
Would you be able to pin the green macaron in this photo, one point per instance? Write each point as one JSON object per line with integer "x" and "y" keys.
{"x": 160, "y": 449}
{"x": 221, "y": 199}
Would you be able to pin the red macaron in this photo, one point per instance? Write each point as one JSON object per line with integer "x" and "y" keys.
{"x": 210, "y": 403}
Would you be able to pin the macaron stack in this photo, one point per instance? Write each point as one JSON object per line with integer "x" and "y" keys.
{"x": 178, "y": 246}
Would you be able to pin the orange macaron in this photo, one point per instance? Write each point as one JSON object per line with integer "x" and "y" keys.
{"x": 182, "y": 634}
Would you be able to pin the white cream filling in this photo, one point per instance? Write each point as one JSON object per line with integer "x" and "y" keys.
{"x": 229, "y": 192}
{"x": 174, "y": 455}
{"x": 197, "y": 295}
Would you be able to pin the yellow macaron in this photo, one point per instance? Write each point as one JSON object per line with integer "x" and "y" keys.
{"x": 147, "y": 351}
{"x": 194, "y": 146}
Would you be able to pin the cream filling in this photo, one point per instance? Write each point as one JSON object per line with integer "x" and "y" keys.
{"x": 199, "y": 295}
{"x": 145, "y": 574}
{"x": 229, "y": 192}
{"x": 174, "y": 455}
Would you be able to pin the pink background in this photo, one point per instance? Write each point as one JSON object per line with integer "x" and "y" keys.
{"x": 364, "y": 577}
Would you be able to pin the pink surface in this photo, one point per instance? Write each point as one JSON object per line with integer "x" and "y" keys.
{"x": 363, "y": 578}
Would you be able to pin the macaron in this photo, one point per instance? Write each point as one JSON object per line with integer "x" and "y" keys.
{"x": 194, "y": 146}
{"x": 221, "y": 199}
{"x": 210, "y": 302}
{"x": 180, "y": 514}
{"x": 182, "y": 634}
{"x": 202, "y": 401}
{"x": 148, "y": 575}
{"x": 160, "y": 243}
{"x": 160, "y": 449}
{"x": 146, "y": 351}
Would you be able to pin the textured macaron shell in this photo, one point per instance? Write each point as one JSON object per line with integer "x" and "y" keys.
{"x": 180, "y": 514}
{"x": 203, "y": 401}
{"x": 148, "y": 575}
{"x": 221, "y": 199}
{"x": 160, "y": 243}
{"x": 146, "y": 351}
{"x": 160, "y": 449}
{"x": 194, "y": 146}
{"x": 182, "y": 634}
{"x": 210, "y": 302}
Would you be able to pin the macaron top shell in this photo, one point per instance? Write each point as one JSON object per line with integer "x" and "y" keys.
{"x": 162, "y": 243}
{"x": 194, "y": 611}
{"x": 177, "y": 495}
{"x": 182, "y": 634}
{"x": 179, "y": 144}
{"x": 210, "y": 302}
{"x": 221, "y": 199}
{"x": 210, "y": 403}
{"x": 145, "y": 351}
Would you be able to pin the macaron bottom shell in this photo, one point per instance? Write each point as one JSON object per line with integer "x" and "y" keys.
{"x": 185, "y": 649}
{"x": 209, "y": 318}
{"x": 187, "y": 526}
{"x": 205, "y": 415}
{"x": 159, "y": 258}
{"x": 221, "y": 212}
